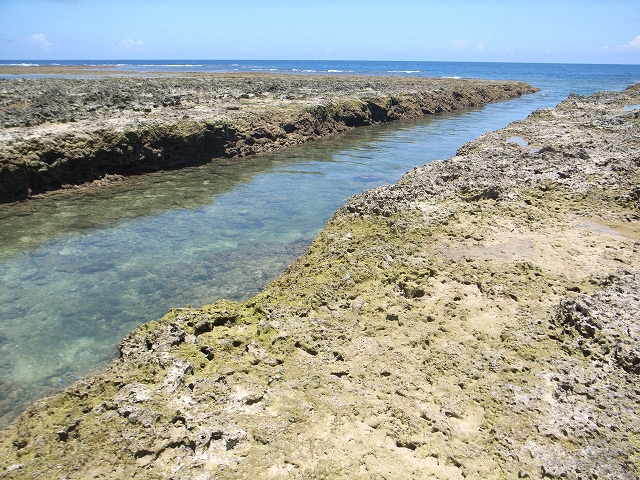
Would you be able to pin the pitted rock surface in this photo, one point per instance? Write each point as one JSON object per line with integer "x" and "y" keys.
{"x": 479, "y": 319}
{"x": 62, "y": 132}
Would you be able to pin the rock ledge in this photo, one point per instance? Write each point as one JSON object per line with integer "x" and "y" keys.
{"x": 60, "y": 132}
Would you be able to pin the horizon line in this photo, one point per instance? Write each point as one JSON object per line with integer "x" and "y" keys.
{"x": 23, "y": 60}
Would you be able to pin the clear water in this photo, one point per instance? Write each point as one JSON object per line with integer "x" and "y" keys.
{"x": 80, "y": 270}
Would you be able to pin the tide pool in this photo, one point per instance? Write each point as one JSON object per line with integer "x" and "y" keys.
{"x": 80, "y": 269}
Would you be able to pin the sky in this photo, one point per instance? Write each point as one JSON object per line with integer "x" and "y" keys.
{"x": 559, "y": 31}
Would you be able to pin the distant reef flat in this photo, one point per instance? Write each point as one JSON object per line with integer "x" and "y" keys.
{"x": 478, "y": 319}
{"x": 60, "y": 132}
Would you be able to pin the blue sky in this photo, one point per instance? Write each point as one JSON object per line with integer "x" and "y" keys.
{"x": 587, "y": 31}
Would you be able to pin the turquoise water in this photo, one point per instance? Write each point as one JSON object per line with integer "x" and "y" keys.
{"x": 79, "y": 270}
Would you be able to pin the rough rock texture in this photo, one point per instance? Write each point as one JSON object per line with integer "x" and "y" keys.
{"x": 479, "y": 319}
{"x": 57, "y": 132}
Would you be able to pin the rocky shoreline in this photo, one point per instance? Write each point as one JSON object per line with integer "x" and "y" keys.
{"x": 478, "y": 319}
{"x": 59, "y": 132}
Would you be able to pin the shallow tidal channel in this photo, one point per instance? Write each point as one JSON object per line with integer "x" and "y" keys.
{"x": 80, "y": 269}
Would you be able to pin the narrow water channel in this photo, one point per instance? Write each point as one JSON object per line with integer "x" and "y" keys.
{"x": 79, "y": 270}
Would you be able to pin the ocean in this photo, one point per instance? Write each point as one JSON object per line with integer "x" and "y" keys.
{"x": 78, "y": 272}
{"x": 581, "y": 78}
{"x": 556, "y": 80}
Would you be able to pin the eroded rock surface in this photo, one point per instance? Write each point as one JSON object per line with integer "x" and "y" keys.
{"x": 62, "y": 132}
{"x": 479, "y": 319}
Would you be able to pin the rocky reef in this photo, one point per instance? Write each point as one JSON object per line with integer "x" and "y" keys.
{"x": 60, "y": 132}
{"x": 478, "y": 319}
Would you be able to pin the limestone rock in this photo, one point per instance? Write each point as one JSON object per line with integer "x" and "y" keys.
{"x": 59, "y": 132}
{"x": 479, "y": 319}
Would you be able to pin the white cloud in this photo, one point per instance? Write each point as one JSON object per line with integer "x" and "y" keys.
{"x": 632, "y": 45}
{"x": 459, "y": 43}
{"x": 478, "y": 48}
{"x": 128, "y": 44}
{"x": 39, "y": 40}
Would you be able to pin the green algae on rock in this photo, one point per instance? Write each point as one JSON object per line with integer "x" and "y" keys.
{"x": 61, "y": 132}
{"x": 478, "y": 319}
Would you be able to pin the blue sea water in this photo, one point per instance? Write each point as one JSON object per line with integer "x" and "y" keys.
{"x": 77, "y": 272}
{"x": 583, "y": 78}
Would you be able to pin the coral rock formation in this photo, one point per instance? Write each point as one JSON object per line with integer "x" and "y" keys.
{"x": 479, "y": 319}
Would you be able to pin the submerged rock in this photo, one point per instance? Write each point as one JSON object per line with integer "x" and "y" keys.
{"x": 479, "y": 319}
